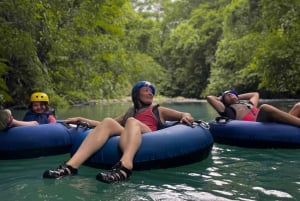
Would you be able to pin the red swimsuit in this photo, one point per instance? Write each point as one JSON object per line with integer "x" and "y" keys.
{"x": 251, "y": 115}
{"x": 147, "y": 117}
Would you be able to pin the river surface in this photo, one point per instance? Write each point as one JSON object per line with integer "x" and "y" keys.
{"x": 228, "y": 173}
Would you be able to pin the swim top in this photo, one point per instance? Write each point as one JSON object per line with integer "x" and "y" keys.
{"x": 241, "y": 111}
{"x": 147, "y": 117}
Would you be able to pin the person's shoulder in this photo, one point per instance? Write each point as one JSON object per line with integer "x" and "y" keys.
{"x": 159, "y": 107}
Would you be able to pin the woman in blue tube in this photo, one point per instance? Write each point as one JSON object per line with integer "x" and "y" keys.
{"x": 245, "y": 107}
{"x": 130, "y": 126}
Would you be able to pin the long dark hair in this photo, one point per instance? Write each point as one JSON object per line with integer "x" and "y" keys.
{"x": 137, "y": 105}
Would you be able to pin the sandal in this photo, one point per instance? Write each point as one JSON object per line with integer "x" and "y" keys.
{"x": 115, "y": 174}
{"x": 61, "y": 171}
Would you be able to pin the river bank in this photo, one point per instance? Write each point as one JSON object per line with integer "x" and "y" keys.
{"x": 158, "y": 99}
{"x": 179, "y": 99}
{"x": 163, "y": 99}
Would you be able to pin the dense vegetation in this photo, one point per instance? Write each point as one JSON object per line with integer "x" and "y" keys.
{"x": 78, "y": 50}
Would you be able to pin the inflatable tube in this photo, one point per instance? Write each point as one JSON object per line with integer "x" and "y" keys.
{"x": 169, "y": 147}
{"x": 34, "y": 141}
{"x": 255, "y": 134}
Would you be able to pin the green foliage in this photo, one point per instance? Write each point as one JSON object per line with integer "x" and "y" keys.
{"x": 257, "y": 51}
{"x": 228, "y": 71}
{"x": 24, "y": 72}
{"x": 189, "y": 50}
{"x": 77, "y": 50}
{"x": 177, "y": 50}
{"x": 278, "y": 65}
{"x": 4, "y": 92}
{"x": 276, "y": 59}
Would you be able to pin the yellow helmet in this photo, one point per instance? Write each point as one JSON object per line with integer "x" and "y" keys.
{"x": 39, "y": 96}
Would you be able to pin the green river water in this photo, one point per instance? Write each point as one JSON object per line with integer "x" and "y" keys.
{"x": 229, "y": 172}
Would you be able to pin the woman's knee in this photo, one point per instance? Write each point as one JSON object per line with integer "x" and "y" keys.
{"x": 266, "y": 108}
{"x": 110, "y": 126}
{"x": 295, "y": 111}
{"x": 266, "y": 113}
{"x": 131, "y": 121}
{"x": 108, "y": 121}
{"x": 297, "y": 106}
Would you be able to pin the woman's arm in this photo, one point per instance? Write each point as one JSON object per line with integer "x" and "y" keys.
{"x": 216, "y": 103}
{"x": 23, "y": 123}
{"x": 251, "y": 96}
{"x": 88, "y": 121}
{"x": 167, "y": 114}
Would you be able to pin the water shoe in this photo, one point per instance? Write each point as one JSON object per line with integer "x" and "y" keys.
{"x": 116, "y": 174}
{"x": 61, "y": 171}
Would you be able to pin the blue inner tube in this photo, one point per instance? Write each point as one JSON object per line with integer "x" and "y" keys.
{"x": 169, "y": 147}
{"x": 34, "y": 141}
{"x": 255, "y": 134}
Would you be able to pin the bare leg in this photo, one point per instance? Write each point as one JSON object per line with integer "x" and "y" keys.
{"x": 268, "y": 113}
{"x": 130, "y": 140}
{"x": 95, "y": 140}
{"x": 295, "y": 111}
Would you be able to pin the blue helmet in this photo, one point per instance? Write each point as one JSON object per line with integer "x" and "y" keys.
{"x": 140, "y": 84}
{"x": 228, "y": 92}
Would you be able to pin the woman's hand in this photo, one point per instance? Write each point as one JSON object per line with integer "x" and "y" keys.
{"x": 187, "y": 118}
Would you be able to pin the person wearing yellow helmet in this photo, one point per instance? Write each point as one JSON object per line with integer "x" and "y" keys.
{"x": 7, "y": 121}
{"x": 39, "y": 109}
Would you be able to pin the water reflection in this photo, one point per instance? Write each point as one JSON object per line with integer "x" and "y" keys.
{"x": 275, "y": 193}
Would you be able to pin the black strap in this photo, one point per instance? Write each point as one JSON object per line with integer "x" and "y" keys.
{"x": 156, "y": 113}
{"x": 222, "y": 119}
{"x": 79, "y": 124}
{"x": 201, "y": 123}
